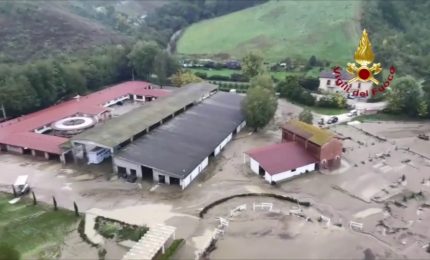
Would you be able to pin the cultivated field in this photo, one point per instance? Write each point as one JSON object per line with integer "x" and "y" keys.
{"x": 327, "y": 29}
{"x": 35, "y": 231}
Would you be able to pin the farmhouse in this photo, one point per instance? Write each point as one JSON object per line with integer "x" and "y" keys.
{"x": 328, "y": 83}
{"x": 179, "y": 150}
{"x": 47, "y": 131}
{"x": 304, "y": 148}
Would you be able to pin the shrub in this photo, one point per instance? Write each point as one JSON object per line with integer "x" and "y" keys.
{"x": 132, "y": 233}
{"x": 237, "y": 77}
{"x": 110, "y": 228}
{"x": 7, "y": 252}
{"x": 306, "y": 98}
{"x": 176, "y": 244}
{"x": 202, "y": 75}
{"x": 309, "y": 83}
{"x": 219, "y": 77}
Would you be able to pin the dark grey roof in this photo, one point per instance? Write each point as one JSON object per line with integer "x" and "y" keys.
{"x": 330, "y": 75}
{"x": 180, "y": 145}
{"x": 117, "y": 130}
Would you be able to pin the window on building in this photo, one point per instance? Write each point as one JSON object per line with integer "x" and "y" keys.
{"x": 328, "y": 82}
{"x": 359, "y": 85}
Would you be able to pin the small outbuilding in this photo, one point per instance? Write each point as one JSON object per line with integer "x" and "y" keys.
{"x": 304, "y": 148}
{"x": 282, "y": 161}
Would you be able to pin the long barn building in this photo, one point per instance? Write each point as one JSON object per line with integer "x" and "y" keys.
{"x": 180, "y": 149}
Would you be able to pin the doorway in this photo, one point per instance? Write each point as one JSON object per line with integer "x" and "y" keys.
{"x": 161, "y": 179}
{"x": 174, "y": 180}
{"x": 146, "y": 173}
{"x": 261, "y": 171}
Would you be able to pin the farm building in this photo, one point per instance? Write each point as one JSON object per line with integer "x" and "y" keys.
{"x": 46, "y": 132}
{"x": 112, "y": 136}
{"x": 304, "y": 148}
{"x": 328, "y": 83}
{"x": 179, "y": 150}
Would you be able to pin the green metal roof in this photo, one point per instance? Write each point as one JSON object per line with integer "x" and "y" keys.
{"x": 312, "y": 133}
{"x": 118, "y": 130}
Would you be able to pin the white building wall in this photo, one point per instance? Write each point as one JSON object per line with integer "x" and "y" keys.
{"x": 43, "y": 129}
{"x": 128, "y": 166}
{"x": 190, "y": 177}
{"x": 116, "y": 100}
{"x": 139, "y": 99}
{"x": 217, "y": 150}
{"x": 329, "y": 86}
{"x": 254, "y": 165}
{"x": 240, "y": 127}
{"x": 289, "y": 174}
{"x": 15, "y": 149}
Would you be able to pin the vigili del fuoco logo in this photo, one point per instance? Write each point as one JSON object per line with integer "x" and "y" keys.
{"x": 364, "y": 72}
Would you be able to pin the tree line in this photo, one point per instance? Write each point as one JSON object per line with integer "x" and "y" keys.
{"x": 39, "y": 84}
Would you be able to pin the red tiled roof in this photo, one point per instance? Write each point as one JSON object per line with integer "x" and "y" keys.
{"x": 278, "y": 158}
{"x": 18, "y": 131}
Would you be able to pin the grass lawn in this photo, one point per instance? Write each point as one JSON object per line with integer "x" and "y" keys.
{"x": 279, "y": 29}
{"x": 322, "y": 110}
{"x": 326, "y": 110}
{"x": 35, "y": 231}
{"x": 211, "y": 72}
{"x": 280, "y": 75}
{"x": 385, "y": 117}
{"x": 170, "y": 252}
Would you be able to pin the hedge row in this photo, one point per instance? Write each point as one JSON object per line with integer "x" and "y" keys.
{"x": 236, "y": 77}
{"x": 270, "y": 195}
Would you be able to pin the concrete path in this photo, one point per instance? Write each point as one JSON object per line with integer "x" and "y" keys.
{"x": 92, "y": 234}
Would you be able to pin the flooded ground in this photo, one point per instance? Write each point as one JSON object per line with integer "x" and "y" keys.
{"x": 367, "y": 190}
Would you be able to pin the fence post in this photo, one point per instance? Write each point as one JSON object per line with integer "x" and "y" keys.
{"x": 76, "y": 209}
{"x": 34, "y": 198}
{"x": 14, "y": 191}
{"x": 55, "y": 203}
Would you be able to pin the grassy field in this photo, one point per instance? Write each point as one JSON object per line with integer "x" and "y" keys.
{"x": 385, "y": 117}
{"x": 280, "y": 75}
{"x": 326, "y": 110}
{"x": 35, "y": 231}
{"x": 322, "y": 110}
{"x": 328, "y": 29}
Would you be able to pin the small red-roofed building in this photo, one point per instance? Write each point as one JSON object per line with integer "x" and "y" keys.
{"x": 304, "y": 148}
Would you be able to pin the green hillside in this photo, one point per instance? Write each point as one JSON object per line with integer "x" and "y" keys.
{"x": 328, "y": 29}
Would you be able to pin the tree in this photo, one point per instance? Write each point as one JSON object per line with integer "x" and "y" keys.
{"x": 339, "y": 100}
{"x": 142, "y": 58}
{"x": 312, "y": 62}
{"x": 404, "y": 96}
{"x": 252, "y": 64}
{"x": 422, "y": 109}
{"x": 263, "y": 80}
{"x": 309, "y": 83}
{"x": 259, "y": 107}
{"x": 182, "y": 78}
{"x": 8, "y": 252}
{"x": 306, "y": 116}
{"x": 160, "y": 66}
{"x": 17, "y": 95}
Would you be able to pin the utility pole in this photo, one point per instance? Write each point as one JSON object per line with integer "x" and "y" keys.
{"x": 4, "y": 111}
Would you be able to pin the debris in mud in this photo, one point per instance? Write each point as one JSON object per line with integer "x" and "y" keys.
{"x": 368, "y": 254}
{"x": 399, "y": 204}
